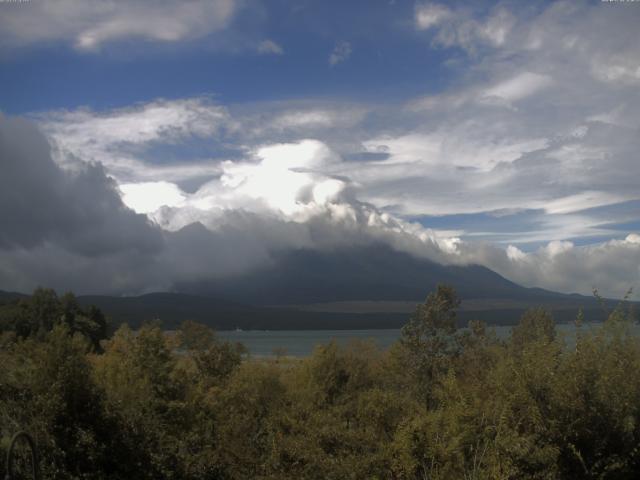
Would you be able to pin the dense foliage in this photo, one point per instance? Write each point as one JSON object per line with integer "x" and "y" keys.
{"x": 442, "y": 403}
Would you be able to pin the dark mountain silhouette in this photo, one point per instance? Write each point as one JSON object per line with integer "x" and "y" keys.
{"x": 361, "y": 273}
{"x": 10, "y": 296}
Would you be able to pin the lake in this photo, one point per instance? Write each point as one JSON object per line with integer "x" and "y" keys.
{"x": 300, "y": 343}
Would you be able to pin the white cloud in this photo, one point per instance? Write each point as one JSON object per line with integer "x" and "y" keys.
{"x": 615, "y": 116}
{"x": 147, "y": 197}
{"x": 290, "y": 121}
{"x": 115, "y": 138}
{"x": 269, "y": 47}
{"x": 518, "y": 87}
{"x": 430, "y": 14}
{"x": 612, "y": 267}
{"x": 130, "y": 141}
{"x": 497, "y": 27}
{"x": 565, "y": 143}
{"x": 341, "y": 52}
{"x": 162, "y": 119}
{"x": 633, "y": 238}
{"x": 89, "y": 24}
{"x": 447, "y": 150}
{"x": 306, "y": 118}
{"x": 617, "y": 69}
{"x": 459, "y": 27}
{"x": 286, "y": 180}
{"x": 501, "y": 92}
{"x": 582, "y": 201}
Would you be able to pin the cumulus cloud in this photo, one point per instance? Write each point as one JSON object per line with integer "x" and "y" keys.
{"x": 46, "y": 208}
{"x": 612, "y": 267}
{"x": 147, "y": 197}
{"x": 89, "y": 24}
{"x": 285, "y": 179}
{"x": 341, "y": 53}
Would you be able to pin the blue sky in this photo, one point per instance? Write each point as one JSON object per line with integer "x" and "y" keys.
{"x": 51, "y": 76}
{"x": 500, "y": 133}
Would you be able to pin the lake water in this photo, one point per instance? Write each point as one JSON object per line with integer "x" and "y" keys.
{"x": 300, "y": 343}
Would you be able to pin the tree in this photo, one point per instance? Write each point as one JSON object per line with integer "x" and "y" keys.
{"x": 429, "y": 338}
{"x": 536, "y": 325}
{"x": 46, "y": 388}
{"x": 40, "y": 313}
{"x": 196, "y": 336}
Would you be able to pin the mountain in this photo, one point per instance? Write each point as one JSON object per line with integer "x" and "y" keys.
{"x": 363, "y": 273}
{"x": 349, "y": 288}
{"x": 11, "y": 296}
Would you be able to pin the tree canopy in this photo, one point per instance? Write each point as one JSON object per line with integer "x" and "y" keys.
{"x": 442, "y": 403}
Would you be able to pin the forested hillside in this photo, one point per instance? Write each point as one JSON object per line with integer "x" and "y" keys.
{"x": 442, "y": 403}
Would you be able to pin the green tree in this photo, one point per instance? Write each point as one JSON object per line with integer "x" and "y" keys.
{"x": 535, "y": 325}
{"x": 429, "y": 337}
{"x": 39, "y": 314}
{"x": 46, "y": 388}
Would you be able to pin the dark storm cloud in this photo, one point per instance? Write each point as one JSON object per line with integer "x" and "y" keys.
{"x": 80, "y": 211}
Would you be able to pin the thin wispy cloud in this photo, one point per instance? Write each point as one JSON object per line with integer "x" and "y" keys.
{"x": 341, "y": 53}
{"x": 116, "y": 138}
{"x": 459, "y": 27}
{"x": 89, "y": 24}
{"x": 429, "y": 15}
{"x": 269, "y": 47}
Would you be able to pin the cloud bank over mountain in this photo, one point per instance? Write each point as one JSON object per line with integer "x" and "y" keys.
{"x": 72, "y": 229}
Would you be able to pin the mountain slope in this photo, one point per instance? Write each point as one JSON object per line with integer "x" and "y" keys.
{"x": 363, "y": 273}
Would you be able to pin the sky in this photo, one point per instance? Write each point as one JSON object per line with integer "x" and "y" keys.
{"x": 148, "y": 143}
